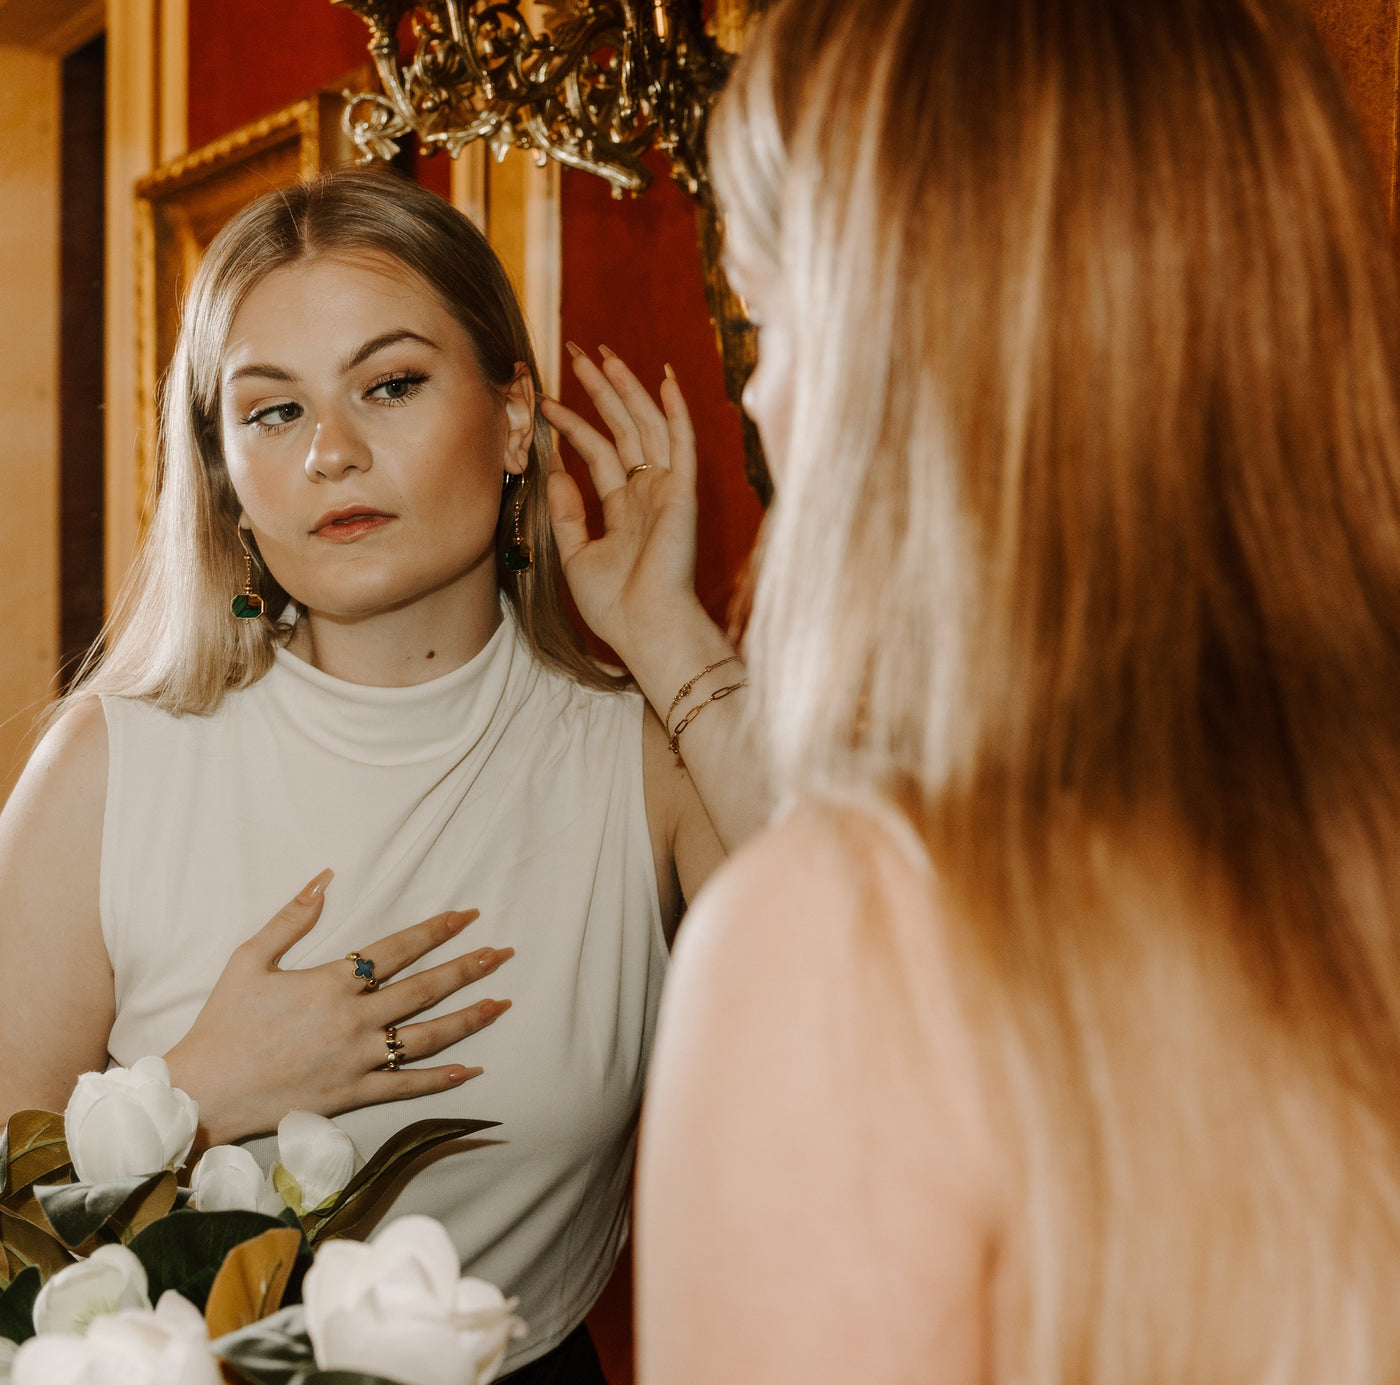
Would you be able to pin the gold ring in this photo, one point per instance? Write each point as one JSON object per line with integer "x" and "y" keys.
{"x": 364, "y": 969}
{"x": 633, "y": 470}
{"x": 393, "y": 1047}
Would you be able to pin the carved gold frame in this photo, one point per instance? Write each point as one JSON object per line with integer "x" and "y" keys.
{"x": 182, "y": 206}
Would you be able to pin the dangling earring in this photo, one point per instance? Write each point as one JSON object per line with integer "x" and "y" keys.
{"x": 518, "y": 556}
{"x": 247, "y": 605}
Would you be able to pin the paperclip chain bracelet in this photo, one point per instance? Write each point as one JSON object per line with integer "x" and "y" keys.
{"x": 686, "y": 687}
{"x": 674, "y": 742}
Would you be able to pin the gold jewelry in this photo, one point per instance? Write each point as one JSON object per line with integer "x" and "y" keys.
{"x": 364, "y": 969}
{"x": 695, "y": 711}
{"x": 393, "y": 1047}
{"x": 517, "y": 556}
{"x": 633, "y": 470}
{"x": 247, "y": 604}
{"x": 686, "y": 687}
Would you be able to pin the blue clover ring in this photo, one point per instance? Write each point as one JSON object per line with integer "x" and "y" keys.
{"x": 364, "y": 969}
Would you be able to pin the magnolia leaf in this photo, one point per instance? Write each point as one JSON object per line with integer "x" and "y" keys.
{"x": 26, "y": 1244}
{"x": 78, "y": 1210}
{"x": 344, "y": 1378}
{"x": 26, "y": 1207}
{"x": 251, "y": 1281}
{"x": 17, "y": 1306}
{"x": 35, "y": 1149}
{"x": 273, "y": 1351}
{"x": 389, "y": 1160}
{"x": 185, "y": 1250}
{"x": 147, "y": 1204}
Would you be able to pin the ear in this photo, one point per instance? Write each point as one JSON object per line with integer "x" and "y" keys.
{"x": 520, "y": 419}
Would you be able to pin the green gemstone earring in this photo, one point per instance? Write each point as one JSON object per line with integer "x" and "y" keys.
{"x": 517, "y": 555}
{"x": 247, "y": 605}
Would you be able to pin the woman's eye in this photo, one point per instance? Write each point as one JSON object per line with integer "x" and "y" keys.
{"x": 273, "y": 416}
{"x": 396, "y": 389}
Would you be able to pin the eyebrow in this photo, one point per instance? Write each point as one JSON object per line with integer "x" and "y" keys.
{"x": 358, "y": 357}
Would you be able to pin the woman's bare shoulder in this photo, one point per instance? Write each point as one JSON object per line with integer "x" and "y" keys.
{"x": 814, "y": 1123}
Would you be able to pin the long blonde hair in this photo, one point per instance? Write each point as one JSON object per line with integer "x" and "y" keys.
{"x": 1086, "y": 553}
{"x": 171, "y": 638}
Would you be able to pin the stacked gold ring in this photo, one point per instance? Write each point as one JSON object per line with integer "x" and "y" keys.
{"x": 393, "y": 1047}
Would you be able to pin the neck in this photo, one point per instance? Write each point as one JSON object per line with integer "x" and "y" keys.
{"x": 401, "y": 647}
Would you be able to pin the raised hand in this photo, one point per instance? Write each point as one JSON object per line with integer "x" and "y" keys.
{"x": 640, "y": 574}
{"x": 269, "y": 1041}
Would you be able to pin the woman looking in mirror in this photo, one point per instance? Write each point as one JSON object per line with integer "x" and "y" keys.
{"x": 344, "y": 646}
{"x": 1067, "y": 1041}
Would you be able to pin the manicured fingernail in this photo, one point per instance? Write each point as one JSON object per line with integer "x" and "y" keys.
{"x": 574, "y": 351}
{"x": 495, "y": 1009}
{"x": 606, "y": 351}
{"x": 461, "y": 919}
{"x": 670, "y": 374}
{"x": 556, "y": 460}
{"x": 315, "y": 888}
{"x": 486, "y": 957}
{"x": 461, "y": 1074}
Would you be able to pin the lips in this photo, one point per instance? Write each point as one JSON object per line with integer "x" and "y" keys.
{"x": 351, "y": 522}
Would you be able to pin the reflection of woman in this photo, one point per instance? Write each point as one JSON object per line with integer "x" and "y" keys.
{"x": 353, "y": 382}
{"x": 1067, "y": 1041}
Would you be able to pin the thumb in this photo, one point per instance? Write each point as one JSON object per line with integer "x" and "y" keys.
{"x": 292, "y": 922}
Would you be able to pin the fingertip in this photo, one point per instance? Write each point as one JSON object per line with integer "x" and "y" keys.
{"x": 671, "y": 374}
{"x": 313, "y": 890}
{"x": 457, "y": 1076}
{"x": 574, "y": 350}
{"x": 556, "y": 461}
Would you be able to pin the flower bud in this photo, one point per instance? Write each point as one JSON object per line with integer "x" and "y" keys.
{"x": 138, "y": 1346}
{"x": 128, "y": 1122}
{"x": 111, "y": 1278}
{"x": 396, "y": 1307}
{"x": 316, "y": 1159}
{"x": 228, "y": 1179}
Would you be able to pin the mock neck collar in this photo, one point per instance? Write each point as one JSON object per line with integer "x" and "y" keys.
{"x": 386, "y": 726}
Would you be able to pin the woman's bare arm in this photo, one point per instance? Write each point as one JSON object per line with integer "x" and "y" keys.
{"x": 812, "y": 1207}
{"x": 56, "y": 997}
{"x": 635, "y": 586}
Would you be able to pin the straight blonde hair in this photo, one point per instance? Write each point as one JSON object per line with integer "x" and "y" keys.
{"x": 171, "y": 639}
{"x": 1096, "y": 352}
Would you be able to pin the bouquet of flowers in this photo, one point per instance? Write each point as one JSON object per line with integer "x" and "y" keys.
{"x": 112, "y": 1272}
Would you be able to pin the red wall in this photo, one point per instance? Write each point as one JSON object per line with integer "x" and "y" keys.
{"x": 631, "y": 269}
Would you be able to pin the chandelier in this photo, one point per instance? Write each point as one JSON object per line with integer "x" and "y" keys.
{"x": 595, "y": 87}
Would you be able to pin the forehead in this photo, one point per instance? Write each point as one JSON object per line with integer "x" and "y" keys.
{"x": 334, "y": 302}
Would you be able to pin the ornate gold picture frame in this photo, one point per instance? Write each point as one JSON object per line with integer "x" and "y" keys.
{"x": 181, "y": 207}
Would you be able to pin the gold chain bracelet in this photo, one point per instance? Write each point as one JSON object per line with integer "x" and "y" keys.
{"x": 695, "y": 711}
{"x": 686, "y": 687}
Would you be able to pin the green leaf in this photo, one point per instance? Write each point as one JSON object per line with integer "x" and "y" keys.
{"x": 17, "y": 1306}
{"x": 272, "y": 1351}
{"x": 185, "y": 1250}
{"x": 389, "y": 1160}
{"x": 344, "y": 1378}
{"x": 35, "y": 1149}
{"x": 78, "y": 1210}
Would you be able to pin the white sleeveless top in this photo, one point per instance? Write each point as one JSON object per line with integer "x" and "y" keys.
{"x": 503, "y": 787}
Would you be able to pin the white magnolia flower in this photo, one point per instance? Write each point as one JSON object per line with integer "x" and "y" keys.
{"x": 165, "y": 1346}
{"x": 127, "y": 1122}
{"x": 228, "y": 1179}
{"x": 315, "y": 1161}
{"x": 7, "y": 1357}
{"x": 111, "y": 1278}
{"x": 396, "y": 1306}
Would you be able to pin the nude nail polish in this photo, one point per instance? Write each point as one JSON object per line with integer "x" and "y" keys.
{"x": 313, "y": 889}
{"x": 607, "y": 351}
{"x": 574, "y": 351}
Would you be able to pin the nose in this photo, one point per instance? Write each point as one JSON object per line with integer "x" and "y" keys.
{"x": 336, "y": 450}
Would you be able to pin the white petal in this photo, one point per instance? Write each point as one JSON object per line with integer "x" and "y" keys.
{"x": 227, "y": 1178}
{"x": 112, "y": 1278}
{"x": 423, "y": 1243}
{"x": 414, "y": 1352}
{"x": 318, "y": 1154}
{"x": 114, "y": 1138}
